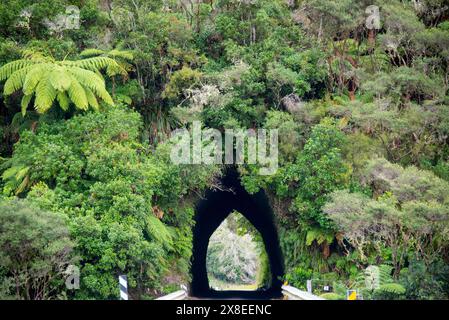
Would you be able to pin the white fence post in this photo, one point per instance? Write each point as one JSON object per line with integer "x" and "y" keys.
{"x": 309, "y": 286}
{"x": 123, "y": 284}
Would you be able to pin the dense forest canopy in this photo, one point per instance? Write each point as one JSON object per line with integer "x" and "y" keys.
{"x": 90, "y": 91}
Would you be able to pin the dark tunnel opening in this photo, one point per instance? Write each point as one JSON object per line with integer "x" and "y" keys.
{"x": 211, "y": 212}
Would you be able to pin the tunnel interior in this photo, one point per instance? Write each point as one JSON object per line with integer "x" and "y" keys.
{"x": 211, "y": 211}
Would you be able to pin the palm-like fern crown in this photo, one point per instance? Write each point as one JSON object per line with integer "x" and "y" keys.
{"x": 122, "y": 57}
{"x": 79, "y": 82}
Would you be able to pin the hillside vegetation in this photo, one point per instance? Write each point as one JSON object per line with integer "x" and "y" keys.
{"x": 86, "y": 112}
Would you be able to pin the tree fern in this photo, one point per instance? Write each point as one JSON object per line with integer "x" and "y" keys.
{"x": 123, "y": 58}
{"x": 67, "y": 82}
{"x": 16, "y": 178}
{"x": 377, "y": 282}
{"x": 159, "y": 231}
{"x": 374, "y": 276}
{"x": 318, "y": 235}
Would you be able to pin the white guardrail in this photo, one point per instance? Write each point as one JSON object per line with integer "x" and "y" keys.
{"x": 292, "y": 293}
{"x": 178, "y": 295}
{"x": 289, "y": 292}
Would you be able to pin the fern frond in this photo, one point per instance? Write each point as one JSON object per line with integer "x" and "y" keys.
{"x": 16, "y": 178}
{"x": 392, "y": 288}
{"x": 119, "y": 69}
{"x": 23, "y": 185}
{"x": 8, "y": 69}
{"x": 35, "y": 56}
{"x": 94, "y": 63}
{"x": 385, "y": 274}
{"x": 60, "y": 79}
{"x": 94, "y": 82}
{"x": 15, "y": 81}
{"x": 119, "y": 56}
{"x": 318, "y": 235}
{"x": 123, "y": 54}
{"x": 78, "y": 95}
{"x": 372, "y": 278}
{"x": 91, "y": 53}
{"x": 115, "y": 53}
{"x": 104, "y": 95}
{"x": 92, "y": 99}
{"x": 45, "y": 95}
{"x": 24, "y": 103}
{"x": 159, "y": 231}
{"x": 88, "y": 76}
{"x": 63, "y": 100}
{"x": 33, "y": 77}
{"x": 9, "y": 173}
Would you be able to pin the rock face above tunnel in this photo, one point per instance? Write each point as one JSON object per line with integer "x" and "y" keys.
{"x": 211, "y": 212}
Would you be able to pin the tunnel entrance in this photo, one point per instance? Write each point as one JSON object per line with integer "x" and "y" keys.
{"x": 211, "y": 212}
{"x": 236, "y": 256}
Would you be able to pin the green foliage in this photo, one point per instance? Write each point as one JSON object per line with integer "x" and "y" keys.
{"x": 404, "y": 84}
{"x": 425, "y": 282}
{"x": 282, "y": 80}
{"x": 360, "y": 110}
{"x": 404, "y": 217}
{"x": 180, "y": 80}
{"x": 408, "y": 136}
{"x": 390, "y": 291}
{"x": 231, "y": 257}
{"x": 122, "y": 57}
{"x": 290, "y": 133}
{"x": 94, "y": 169}
{"x": 35, "y": 251}
{"x": 66, "y": 81}
{"x": 376, "y": 282}
{"x": 12, "y": 23}
{"x": 332, "y": 296}
{"x": 298, "y": 277}
{"x": 318, "y": 170}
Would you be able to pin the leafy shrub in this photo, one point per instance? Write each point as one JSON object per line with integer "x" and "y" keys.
{"x": 332, "y": 296}
{"x": 35, "y": 251}
{"x": 231, "y": 257}
{"x": 426, "y": 282}
{"x": 122, "y": 201}
{"x": 389, "y": 291}
{"x": 298, "y": 277}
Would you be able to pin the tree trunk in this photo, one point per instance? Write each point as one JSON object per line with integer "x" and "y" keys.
{"x": 371, "y": 40}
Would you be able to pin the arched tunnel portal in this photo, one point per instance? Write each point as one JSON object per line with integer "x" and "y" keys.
{"x": 211, "y": 211}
